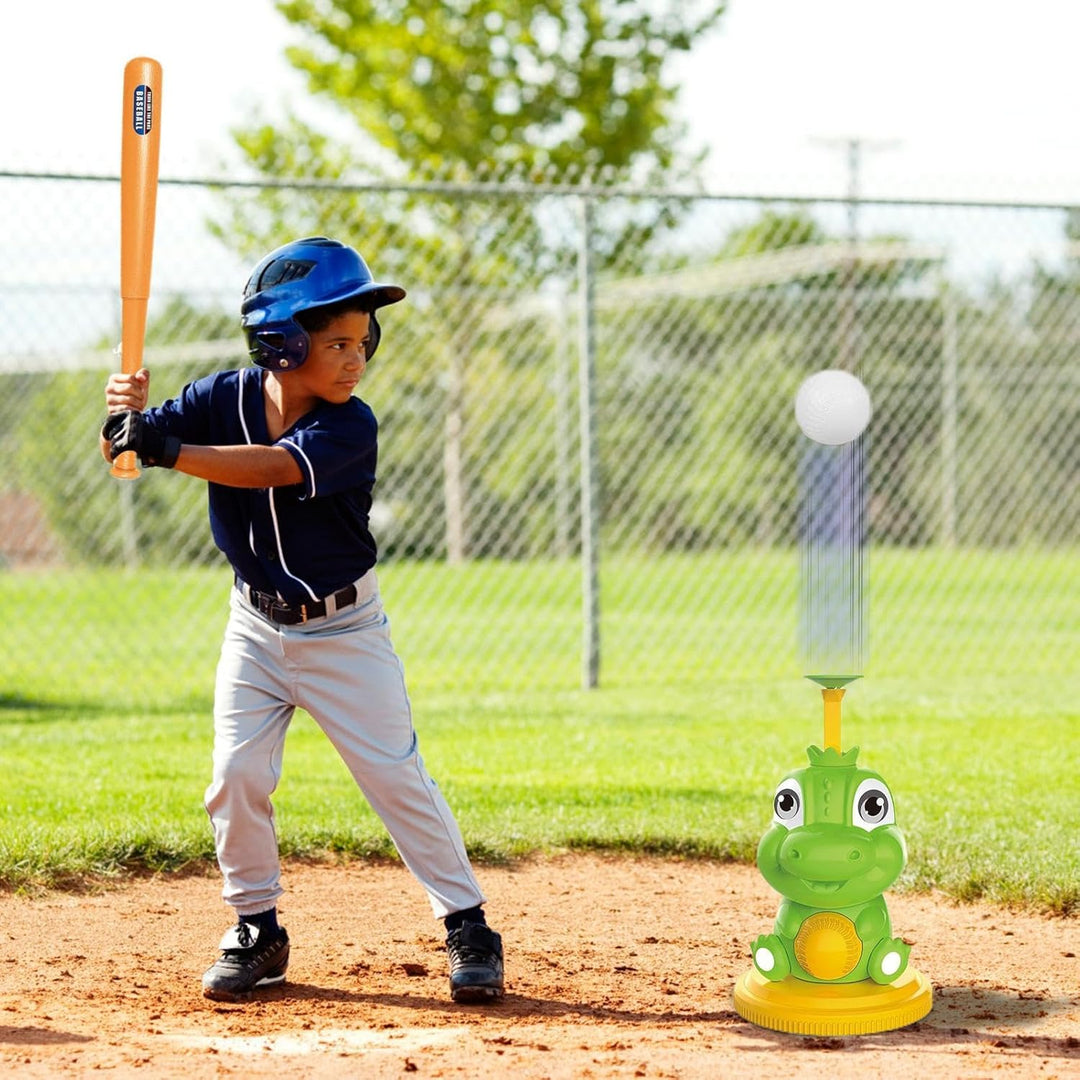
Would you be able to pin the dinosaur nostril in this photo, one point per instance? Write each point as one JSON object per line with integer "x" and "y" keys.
{"x": 795, "y": 853}
{"x": 854, "y": 855}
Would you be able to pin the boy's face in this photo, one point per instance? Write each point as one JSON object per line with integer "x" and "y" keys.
{"x": 336, "y": 359}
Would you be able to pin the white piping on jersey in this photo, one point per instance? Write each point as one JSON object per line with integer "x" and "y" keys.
{"x": 281, "y": 553}
{"x": 240, "y": 404}
{"x": 307, "y": 462}
{"x": 270, "y": 493}
{"x": 247, "y": 437}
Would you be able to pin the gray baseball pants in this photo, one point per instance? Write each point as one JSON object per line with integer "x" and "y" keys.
{"x": 341, "y": 669}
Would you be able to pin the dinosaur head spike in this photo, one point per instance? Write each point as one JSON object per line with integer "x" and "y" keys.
{"x": 831, "y": 758}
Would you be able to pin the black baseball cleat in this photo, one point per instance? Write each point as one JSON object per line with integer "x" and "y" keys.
{"x": 476, "y": 963}
{"x": 250, "y": 958}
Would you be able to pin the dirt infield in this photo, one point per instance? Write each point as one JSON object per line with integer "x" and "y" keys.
{"x": 615, "y": 968}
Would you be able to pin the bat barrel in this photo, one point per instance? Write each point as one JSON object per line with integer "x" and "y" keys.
{"x": 139, "y": 175}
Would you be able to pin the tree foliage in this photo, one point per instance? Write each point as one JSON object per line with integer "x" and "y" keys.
{"x": 497, "y": 85}
{"x": 470, "y": 89}
{"x": 504, "y": 84}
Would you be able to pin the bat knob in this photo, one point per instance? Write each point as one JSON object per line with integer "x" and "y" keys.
{"x": 124, "y": 466}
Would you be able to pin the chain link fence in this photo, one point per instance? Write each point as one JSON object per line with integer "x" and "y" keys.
{"x": 588, "y": 455}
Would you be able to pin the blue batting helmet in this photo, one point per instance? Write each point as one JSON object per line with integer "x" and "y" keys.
{"x": 307, "y": 273}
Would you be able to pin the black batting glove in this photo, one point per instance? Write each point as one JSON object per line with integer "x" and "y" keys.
{"x": 129, "y": 430}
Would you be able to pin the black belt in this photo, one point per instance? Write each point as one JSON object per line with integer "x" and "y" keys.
{"x": 278, "y": 611}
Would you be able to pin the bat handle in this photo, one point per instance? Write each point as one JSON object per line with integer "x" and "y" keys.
{"x": 131, "y": 349}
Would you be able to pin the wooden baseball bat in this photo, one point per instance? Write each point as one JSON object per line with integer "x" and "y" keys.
{"x": 140, "y": 142}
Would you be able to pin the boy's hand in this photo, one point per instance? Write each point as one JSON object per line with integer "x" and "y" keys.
{"x": 124, "y": 392}
{"x": 129, "y": 431}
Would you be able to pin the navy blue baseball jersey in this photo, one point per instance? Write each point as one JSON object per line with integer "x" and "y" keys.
{"x": 300, "y": 542}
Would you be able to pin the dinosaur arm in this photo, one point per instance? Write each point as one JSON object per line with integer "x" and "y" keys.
{"x": 873, "y": 921}
{"x": 789, "y": 918}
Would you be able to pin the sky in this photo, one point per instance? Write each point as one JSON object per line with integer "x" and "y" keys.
{"x": 950, "y": 98}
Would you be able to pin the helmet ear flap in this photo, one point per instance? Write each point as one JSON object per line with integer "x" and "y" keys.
{"x": 279, "y": 349}
{"x": 374, "y": 337}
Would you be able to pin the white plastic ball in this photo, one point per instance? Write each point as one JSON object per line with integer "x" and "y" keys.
{"x": 833, "y": 407}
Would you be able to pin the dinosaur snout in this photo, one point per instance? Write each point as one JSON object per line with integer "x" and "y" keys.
{"x": 826, "y": 853}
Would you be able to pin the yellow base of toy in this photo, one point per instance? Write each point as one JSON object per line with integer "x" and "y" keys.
{"x": 858, "y": 1008}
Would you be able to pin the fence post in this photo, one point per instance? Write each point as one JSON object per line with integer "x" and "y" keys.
{"x": 561, "y": 389}
{"x": 453, "y": 471}
{"x": 590, "y": 509}
{"x": 128, "y": 536}
{"x": 948, "y": 418}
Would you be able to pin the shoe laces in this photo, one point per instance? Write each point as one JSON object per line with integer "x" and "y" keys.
{"x": 241, "y": 939}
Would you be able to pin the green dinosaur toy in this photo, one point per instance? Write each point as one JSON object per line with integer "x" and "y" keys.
{"x": 831, "y": 851}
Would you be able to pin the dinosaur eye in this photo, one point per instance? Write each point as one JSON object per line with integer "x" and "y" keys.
{"x": 873, "y": 805}
{"x": 788, "y": 804}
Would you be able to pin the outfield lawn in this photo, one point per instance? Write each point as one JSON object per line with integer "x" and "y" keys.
{"x": 970, "y": 713}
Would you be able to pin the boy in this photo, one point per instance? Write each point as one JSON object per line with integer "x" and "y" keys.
{"x": 290, "y": 456}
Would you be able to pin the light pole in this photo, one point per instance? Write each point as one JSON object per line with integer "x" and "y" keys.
{"x": 853, "y": 147}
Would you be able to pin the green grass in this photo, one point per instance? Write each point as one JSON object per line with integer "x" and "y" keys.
{"x": 969, "y": 710}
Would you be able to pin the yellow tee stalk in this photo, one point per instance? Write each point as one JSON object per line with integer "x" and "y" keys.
{"x": 832, "y": 699}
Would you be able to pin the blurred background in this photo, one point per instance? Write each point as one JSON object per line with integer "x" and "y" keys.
{"x": 628, "y": 231}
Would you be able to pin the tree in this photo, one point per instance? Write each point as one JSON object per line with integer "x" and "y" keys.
{"x": 556, "y": 90}
{"x": 550, "y": 90}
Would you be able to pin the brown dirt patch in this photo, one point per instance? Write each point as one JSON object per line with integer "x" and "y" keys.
{"x": 616, "y": 967}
